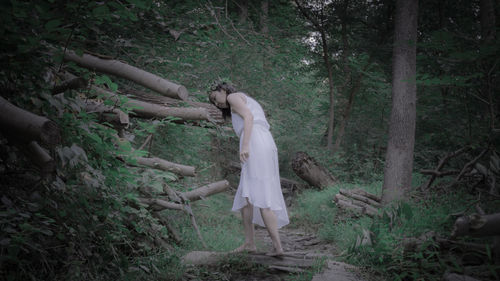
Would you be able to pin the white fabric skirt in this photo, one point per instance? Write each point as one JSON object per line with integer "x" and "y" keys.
{"x": 260, "y": 179}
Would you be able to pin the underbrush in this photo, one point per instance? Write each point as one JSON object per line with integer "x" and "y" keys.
{"x": 381, "y": 244}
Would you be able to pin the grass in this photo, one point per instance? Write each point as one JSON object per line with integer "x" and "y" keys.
{"x": 316, "y": 211}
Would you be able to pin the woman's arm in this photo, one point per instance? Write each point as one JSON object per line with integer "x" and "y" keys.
{"x": 238, "y": 105}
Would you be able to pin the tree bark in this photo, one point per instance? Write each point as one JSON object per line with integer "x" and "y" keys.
{"x": 27, "y": 126}
{"x": 165, "y": 165}
{"x": 309, "y": 170}
{"x": 123, "y": 70}
{"x": 401, "y": 142}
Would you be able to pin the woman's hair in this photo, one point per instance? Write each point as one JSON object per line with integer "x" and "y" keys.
{"x": 217, "y": 86}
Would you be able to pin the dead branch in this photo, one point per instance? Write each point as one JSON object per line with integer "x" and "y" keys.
{"x": 437, "y": 172}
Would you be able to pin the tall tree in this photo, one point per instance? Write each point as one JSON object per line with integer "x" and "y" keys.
{"x": 401, "y": 142}
{"x": 318, "y": 21}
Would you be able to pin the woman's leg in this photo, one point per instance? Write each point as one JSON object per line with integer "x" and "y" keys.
{"x": 247, "y": 215}
{"x": 271, "y": 223}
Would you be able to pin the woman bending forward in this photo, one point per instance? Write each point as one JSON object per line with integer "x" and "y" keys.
{"x": 259, "y": 194}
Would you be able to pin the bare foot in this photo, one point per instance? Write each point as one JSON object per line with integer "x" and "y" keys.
{"x": 245, "y": 248}
{"x": 276, "y": 254}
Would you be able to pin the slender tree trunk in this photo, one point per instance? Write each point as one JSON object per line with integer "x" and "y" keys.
{"x": 264, "y": 7}
{"x": 243, "y": 4}
{"x": 331, "y": 115}
{"x": 326, "y": 59}
{"x": 400, "y": 146}
{"x": 488, "y": 33}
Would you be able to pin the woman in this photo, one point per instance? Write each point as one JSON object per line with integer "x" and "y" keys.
{"x": 259, "y": 194}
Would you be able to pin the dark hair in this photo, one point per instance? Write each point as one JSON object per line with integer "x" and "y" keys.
{"x": 229, "y": 89}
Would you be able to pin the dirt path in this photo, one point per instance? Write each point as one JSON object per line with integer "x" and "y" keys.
{"x": 303, "y": 250}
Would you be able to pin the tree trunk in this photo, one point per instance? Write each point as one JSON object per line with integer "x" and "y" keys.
{"x": 488, "y": 20}
{"x": 317, "y": 23}
{"x": 24, "y": 125}
{"x": 243, "y": 5}
{"x": 309, "y": 170}
{"x": 401, "y": 142}
{"x": 264, "y": 8}
{"x": 123, "y": 70}
{"x": 165, "y": 165}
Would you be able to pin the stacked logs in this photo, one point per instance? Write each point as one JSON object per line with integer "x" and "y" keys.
{"x": 359, "y": 201}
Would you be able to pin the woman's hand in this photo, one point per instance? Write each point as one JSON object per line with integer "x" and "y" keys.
{"x": 244, "y": 154}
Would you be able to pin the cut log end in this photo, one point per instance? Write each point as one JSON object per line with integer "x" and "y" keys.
{"x": 183, "y": 93}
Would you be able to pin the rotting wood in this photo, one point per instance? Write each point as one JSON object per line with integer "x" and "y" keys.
{"x": 27, "y": 126}
{"x": 132, "y": 73}
{"x": 309, "y": 170}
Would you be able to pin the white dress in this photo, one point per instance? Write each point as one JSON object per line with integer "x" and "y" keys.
{"x": 260, "y": 179}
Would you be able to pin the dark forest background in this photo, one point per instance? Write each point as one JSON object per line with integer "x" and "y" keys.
{"x": 323, "y": 72}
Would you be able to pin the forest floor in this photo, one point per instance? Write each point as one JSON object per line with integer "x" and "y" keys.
{"x": 313, "y": 258}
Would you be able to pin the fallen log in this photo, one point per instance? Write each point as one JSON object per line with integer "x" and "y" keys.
{"x": 41, "y": 158}
{"x": 108, "y": 114}
{"x": 309, "y": 170}
{"x": 197, "y": 258}
{"x": 194, "y": 195}
{"x": 214, "y": 113}
{"x": 148, "y": 110}
{"x": 365, "y": 198}
{"x": 165, "y": 165}
{"x": 123, "y": 70}
{"x": 206, "y": 190}
{"x": 27, "y": 126}
{"x": 477, "y": 225}
{"x": 351, "y": 206}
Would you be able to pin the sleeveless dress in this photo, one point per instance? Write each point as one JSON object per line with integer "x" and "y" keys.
{"x": 260, "y": 179}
